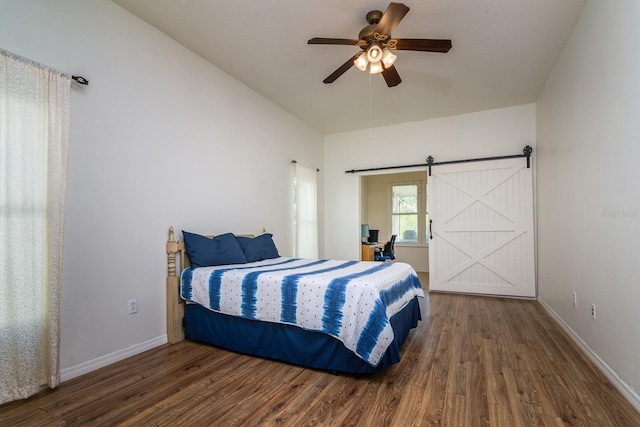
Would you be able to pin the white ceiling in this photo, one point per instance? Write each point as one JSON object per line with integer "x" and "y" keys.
{"x": 502, "y": 54}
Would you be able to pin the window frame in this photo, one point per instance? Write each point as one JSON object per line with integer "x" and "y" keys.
{"x": 422, "y": 213}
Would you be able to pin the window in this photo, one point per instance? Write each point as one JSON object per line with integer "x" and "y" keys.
{"x": 409, "y": 217}
{"x": 305, "y": 208}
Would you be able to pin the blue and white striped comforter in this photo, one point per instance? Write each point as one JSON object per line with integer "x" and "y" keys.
{"x": 349, "y": 300}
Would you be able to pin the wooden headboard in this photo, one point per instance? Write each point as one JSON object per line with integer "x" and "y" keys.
{"x": 175, "y": 304}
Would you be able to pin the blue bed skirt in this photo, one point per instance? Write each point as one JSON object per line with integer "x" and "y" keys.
{"x": 290, "y": 343}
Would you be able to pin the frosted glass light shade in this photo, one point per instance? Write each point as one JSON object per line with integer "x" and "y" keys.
{"x": 374, "y": 54}
{"x": 388, "y": 58}
{"x": 361, "y": 62}
{"x": 375, "y": 68}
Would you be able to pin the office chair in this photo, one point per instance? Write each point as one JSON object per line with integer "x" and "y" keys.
{"x": 388, "y": 252}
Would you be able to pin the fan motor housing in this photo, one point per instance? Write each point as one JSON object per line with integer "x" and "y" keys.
{"x": 366, "y": 34}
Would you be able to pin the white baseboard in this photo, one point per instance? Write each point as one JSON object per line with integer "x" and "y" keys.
{"x": 108, "y": 359}
{"x": 617, "y": 382}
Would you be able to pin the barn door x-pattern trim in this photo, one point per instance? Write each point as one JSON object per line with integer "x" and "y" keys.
{"x": 483, "y": 228}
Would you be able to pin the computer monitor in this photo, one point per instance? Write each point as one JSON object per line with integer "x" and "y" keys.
{"x": 364, "y": 231}
{"x": 373, "y": 236}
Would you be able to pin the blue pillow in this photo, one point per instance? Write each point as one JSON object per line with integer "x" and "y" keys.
{"x": 258, "y": 248}
{"x": 221, "y": 250}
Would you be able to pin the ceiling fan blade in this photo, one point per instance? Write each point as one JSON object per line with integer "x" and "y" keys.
{"x": 323, "y": 40}
{"x": 341, "y": 70}
{"x": 391, "y": 18}
{"x": 391, "y": 76}
{"x": 428, "y": 45}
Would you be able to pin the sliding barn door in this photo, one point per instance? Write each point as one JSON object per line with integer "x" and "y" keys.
{"x": 481, "y": 235}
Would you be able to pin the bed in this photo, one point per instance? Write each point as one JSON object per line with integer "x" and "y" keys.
{"x": 337, "y": 315}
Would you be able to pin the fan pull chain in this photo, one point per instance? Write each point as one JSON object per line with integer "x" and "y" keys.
{"x": 370, "y": 122}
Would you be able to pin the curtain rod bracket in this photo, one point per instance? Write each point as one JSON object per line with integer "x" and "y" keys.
{"x": 80, "y": 80}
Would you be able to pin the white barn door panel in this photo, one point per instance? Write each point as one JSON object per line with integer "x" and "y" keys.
{"x": 482, "y": 239}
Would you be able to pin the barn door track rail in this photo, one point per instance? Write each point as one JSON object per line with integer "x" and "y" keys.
{"x": 526, "y": 152}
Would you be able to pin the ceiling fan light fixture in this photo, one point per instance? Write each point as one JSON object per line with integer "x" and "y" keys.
{"x": 376, "y": 45}
{"x": 374, "y": 54}
{"x": 388, "y": 58}
{"x": 375, "y": 68}
{"x": 361, "y": 62}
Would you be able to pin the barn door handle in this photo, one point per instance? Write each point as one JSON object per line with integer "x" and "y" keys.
{"x": 430, "y": 233}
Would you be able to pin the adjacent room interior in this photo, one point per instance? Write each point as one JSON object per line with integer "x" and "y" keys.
{"x": 396, "y": 203}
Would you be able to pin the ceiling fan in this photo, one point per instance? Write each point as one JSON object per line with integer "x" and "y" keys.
{"x": 376, "y": 44}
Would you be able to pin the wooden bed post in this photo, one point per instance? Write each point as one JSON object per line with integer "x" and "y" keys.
{"x": 175, "y": 306}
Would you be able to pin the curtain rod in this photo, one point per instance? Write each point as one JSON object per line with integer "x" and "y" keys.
{"x": 293, "y": 162}
{"x": 526, "y": 152}
{"x": 78, "y": 79}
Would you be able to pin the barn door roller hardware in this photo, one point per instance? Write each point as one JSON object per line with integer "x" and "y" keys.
{"x": 526, "y": 152}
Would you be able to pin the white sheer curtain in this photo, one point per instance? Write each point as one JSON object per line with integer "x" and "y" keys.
{"x": 306, "y": 210}
{"x": 34, "y": 135}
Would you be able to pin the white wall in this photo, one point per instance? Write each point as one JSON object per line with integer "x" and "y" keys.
{"x": 160, "y": 137}
{"x": 488, "y": 133}
{"x": 587, "y": 181}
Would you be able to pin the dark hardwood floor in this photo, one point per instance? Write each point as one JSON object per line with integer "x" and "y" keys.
{"x": 472, "y": 361}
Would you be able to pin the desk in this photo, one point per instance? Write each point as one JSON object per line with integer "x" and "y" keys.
{"x": 368, "y": 250}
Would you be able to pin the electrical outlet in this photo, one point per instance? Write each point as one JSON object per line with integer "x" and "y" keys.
{"x": 133, "y": 306}
{"x": 593, "y": 311}
{"x": 575, "y": 299}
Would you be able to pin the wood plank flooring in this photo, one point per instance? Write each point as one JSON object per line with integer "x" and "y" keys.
{"x": 472, "y": 361}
